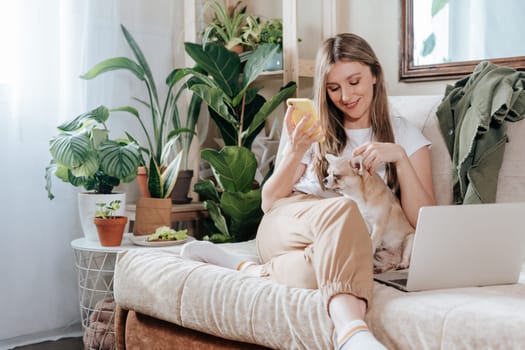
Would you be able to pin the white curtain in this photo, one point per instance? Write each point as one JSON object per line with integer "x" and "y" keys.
{"x": 45, "y": 47}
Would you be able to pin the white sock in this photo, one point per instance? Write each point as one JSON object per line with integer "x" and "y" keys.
{"x": 356, "y": 335}
{"x": 211, "y": 253}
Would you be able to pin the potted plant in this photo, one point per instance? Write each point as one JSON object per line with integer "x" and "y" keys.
{"x": 233, "y": 99}
{"x": 258, "y": 31}
{"x": 240, "y": 113}
{"x": 226, "y": 25}
{"x": 110, "y": 227}
{"x": 166, "y": 150}
{"x": 233, "y": 204}
{"x": 83, "y": 155}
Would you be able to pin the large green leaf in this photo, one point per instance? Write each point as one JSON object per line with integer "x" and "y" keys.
{"x": 233, "y": 167}
{"x": 50, "y": 170}
{"x": 115, "y": 63}
{"x": 228, "y": 131}
{"x": 70, "y": 150}
{"x": 244, "y": 211}
{"x": 89, "y": 166}
{"x": 142, "y": 61}
{"x": 263, "y": 113}
{"x": 169, "y": 176}
{"x": 154, "y": 186}
{"x": 215, "y": 99}
{"x": 120, "y": 161}
{"x": 222, "y": 64}
{"x": 99, "y": 115}
{"x": 207, "y": 190}
{"x": 257, "y": 61}
{"x": 218, "y": 219}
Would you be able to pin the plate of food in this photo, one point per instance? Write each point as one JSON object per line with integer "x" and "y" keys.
{"x": 163, "y": 236}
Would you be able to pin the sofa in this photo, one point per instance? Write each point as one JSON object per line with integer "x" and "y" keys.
{"x": 165, "y": 302}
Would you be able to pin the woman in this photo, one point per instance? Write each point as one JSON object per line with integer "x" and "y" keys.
{"x": 313, "y": 238}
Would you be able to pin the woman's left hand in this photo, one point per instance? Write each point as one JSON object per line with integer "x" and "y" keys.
{"x": 375, "y": 153}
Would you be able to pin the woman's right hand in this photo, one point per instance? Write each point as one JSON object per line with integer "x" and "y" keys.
{"x": 301, "y": 138}
{"x": 290, "y": 169}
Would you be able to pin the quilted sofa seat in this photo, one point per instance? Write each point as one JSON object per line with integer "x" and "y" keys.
{"x": 210, "y": 299}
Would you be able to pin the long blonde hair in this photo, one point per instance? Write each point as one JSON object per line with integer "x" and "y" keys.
{"x": 349, "y": 47}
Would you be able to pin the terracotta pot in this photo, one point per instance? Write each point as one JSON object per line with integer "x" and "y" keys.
{"x": 87, "y": 206}
{"x": 238, "y": 49}
{"x": 150, "y": 214}
{"x": 110, "y": 231}
{"x": 182, "y": 187}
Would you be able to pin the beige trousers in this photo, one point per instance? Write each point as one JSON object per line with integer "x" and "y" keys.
{"x": 309, "y": 242}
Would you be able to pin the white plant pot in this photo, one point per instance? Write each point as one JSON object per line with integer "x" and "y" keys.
{"x": 87, "y": 206}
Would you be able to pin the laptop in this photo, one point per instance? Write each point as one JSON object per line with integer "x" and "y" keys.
{"x": 464, "y": 246}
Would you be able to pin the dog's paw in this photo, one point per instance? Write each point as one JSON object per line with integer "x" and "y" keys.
{"x": 402, "y": 266}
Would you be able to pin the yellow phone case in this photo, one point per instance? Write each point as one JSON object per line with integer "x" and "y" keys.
{"x": 302, "y": 107}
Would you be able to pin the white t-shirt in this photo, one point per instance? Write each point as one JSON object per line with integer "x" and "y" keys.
{"x": 405, "y": 134}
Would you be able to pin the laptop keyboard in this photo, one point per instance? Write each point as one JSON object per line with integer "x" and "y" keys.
{"x": 402, "y": 281}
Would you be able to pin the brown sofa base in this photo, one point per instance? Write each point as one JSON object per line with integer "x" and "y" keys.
{"x": 138, "y": 331}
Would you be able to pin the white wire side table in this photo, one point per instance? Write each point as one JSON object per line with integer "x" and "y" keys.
{"x": 95, "y": 267}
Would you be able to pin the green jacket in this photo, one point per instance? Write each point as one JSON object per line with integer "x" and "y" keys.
{"x": 472, "y": 118}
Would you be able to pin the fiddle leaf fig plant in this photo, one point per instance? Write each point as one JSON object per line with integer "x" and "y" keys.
{"x": 230, "y": 92}
{"x": 229, "y": 89}
{"x": 167, "y": 149}
{"x": 234, "y": 206}
{"x": 83, "y": 155}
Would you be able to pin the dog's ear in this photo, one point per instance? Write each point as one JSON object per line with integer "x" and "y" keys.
{"x": 357, "y": 164}
{"x": 330, "y": 158}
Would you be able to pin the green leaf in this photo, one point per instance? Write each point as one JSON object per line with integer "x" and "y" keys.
{"x": 99, "y": 115}
{"x": 223, "y": 65}
{"x": 215, "y": 99}
{"x": 98, "y": 136}
{"x": 142, "y": 61}
{"x": 428, "y": 45}
{"x": 120, "y": 161}
{"x": 263, "y": 113}
{"x": 88, "y": 167}
{"x": 128, "y": 109}
{"x": 154, "y": 186}
{"x": 233, "y": 167}
{"x": 207, "y": 191}
{"x": 115, "y": 63}
{"x": 228, "y": 131}
{"x": 71, "y": 150}
{"x": 218, "y": 219}
{"x": 256, "y": 63}
{"x": 437, "y": 5}
{"x": 218, "y": 238}
{"x": 244, "y": 211}
{"x": 50, "y": 170}
{"x": 169, "y": 176}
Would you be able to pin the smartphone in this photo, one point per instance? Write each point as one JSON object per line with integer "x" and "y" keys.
{"x": 302, "y": 107}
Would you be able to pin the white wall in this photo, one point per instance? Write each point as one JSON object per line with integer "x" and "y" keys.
{"x": 378, "y": 21}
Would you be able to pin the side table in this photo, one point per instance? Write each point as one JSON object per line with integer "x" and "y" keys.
{"x": 95, "y": 266}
